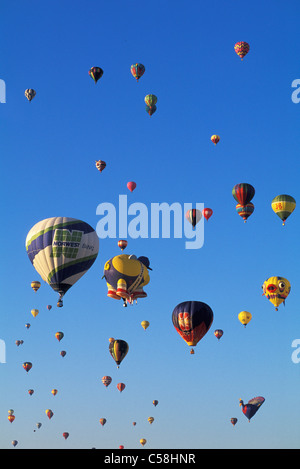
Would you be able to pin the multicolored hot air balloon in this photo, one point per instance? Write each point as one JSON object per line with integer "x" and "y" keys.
{"x": 242, "y": 48}
{"x": 145, "y": 324}
{"x": 27, "y": 325}
{"x": 30, "y": 392}
{"x": 243, "y": 193}
{"x": 131, "y": 185}
{"x": 62, "y": 250}
{"x": 283, "y": 205}
{"x": 150, "y": 419}
{"x": 34, "y": 312}
{"x": 215, "y": 139}
{"x": 151, "y": 110}
{"x": 35, "y": 285}
{"x": 63, "y": 353}
{"x": 155, "y": 402}
{"x": 250, "y": 409}
{"x": 49, "y": 413}
{"x": 54, "y": 392}
{"x": 234, "y": 421}
{"x": 11, "y": 418}
{"x": 150, "y": 100}
{"x": 192, "y": 320}
{"x": 193, "y": 216}
{"x": 102, "y": 421}
{"x": 118, "y": 350}
{"x": 122, "y": 243}
{"x": 30, "y": 94}
{"x": 121, "y": 386}
{"x": 218, "y": 333}
{"x": 106, "y": 380}
{"x": 65, "y": 435}
{"x": 125, "y": 276}
{"x": 49, "y": 307}
{"x": 276, "y": 290}
{"x": 14, "y": 443}
{"x": 207, "y": 213}
{"x": 59, "y": 335}
{"x": 245, "y": 317}
{"x": 27, "y": 366}
{"x": 137, "y": 70}
{"x": 95, "y": 73}
{"x": 100, "y": 165}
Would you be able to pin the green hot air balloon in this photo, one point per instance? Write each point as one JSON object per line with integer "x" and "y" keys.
{"x": 283, "y": 205}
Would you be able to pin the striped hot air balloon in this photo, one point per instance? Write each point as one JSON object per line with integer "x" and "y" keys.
{"x": 283, "y": 205}
{"x": 242, "y": 48}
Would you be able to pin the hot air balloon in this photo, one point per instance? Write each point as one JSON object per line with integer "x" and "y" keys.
{"x": 27, "y": 325}
{"x": 143, "y": 441}
{"x": 54, "y": 392}
{"x": 234, "y": 421}
{"x": 131, "y": 185}
{"x": 122, "y": 243}
{"x": 27, "y": 366}
{"x": 150, "y": 100}
{"x": 245, "y": 317}
{"x": 276, "y": 290}
{"x": 14, "y": 443}
{"x": 10, "y": 411}
{"x": 106, "y": 380}
{"x": 126, "y": 276}
{"x": 193, "y": 216}
{"x": 151, "y": 110}
{"x": 18, "y": 342}
{"x": 134, "y": 424}
{"x": 49, "y": 413}
{"x": 38, "y": 425}
{"x": 65, "y": 435}
{"x": 111, "y": 339}
{"x": 150, "y": 419}
{"x": 242, "y": 48}
{"x": 35, "y": 285}
{"x": 243, "y": 193}
{"x": 30, "y": 94}
{"x": 137, "y": 70}
{"x": 155, "y": 402}
{"x": 283, "y": 205}
{"x": 102, "y": 421}
{"x": 121, "y": 386}
{"x": 215, "y": 139}
{"x": 62, "y": 250}
{"x": 192, "y": 320}
{"x": 250, "y": 409}
{"x": 121, "y": 447}
{"x": 145, "y": 324}
{"x": 34, "y": 312}
{"x": 11, "y": 418}
{"x": 96, "y": 73}
{"x": 49, "y": 307}
{"x": 100, "y": 165}
{"x": 30, "y": 392}
{"x": 118, "y": 350}
{"x": 63, "y": 353}
{"x": 207, "y": 213}
{"x": 218, "y": 333}
{"x": 245, "y": 211}
{"x": 59, "y": 335}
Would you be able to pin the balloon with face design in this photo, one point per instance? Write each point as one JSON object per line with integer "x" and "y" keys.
{"x": 276, "y": 289}
{"x": 192, "y": 320}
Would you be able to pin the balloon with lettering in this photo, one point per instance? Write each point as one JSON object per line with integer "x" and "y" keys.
{"x": 62, "y": 250}
{"x": 283, "y": 205}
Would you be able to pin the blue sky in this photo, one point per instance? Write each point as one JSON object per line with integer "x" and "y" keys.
{"x": 49, "y": 148}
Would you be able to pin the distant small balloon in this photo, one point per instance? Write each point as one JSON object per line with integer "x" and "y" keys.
{"x": 131, "y": 186}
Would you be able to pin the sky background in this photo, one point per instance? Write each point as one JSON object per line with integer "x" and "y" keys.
{"x": 48, "y": 150}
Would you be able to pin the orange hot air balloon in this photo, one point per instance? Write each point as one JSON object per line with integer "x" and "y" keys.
{"x": 11, "y": 418}
{"x": 30, "y": 392}
{"x": 143, "y": 441}
{"x": 131, "y": 185}
{"x": 122, "y": 244}
{"x": 102, "y": 421}
{"x": 27, "y": 366}
{"x": 207, "y": 213}
{"x": 59, "y": 335}
{"x": 54, "y": 392}
{"x": 106, "y": 380}
{"x": 150, "y": 419}
{"x": 121, "y": 386}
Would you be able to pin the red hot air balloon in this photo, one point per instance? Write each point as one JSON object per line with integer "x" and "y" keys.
{"x": 30, "y": 392}
{"x": 207, "y": 213}
{"x": 218, "y": 333}
{"x": 242, "y": 48}
{"x": 49, "y": 413}
{"x": 66, "y": 435}
{"x": 27, "y": 366}
{"x": 131, "y": 186}
{"x": 121, "y": 386}
{"x": 106, "y": 380}
{"x": 122, "y": 244}
{"x": 243, "y": 193}
{"x": 137, "y": 70}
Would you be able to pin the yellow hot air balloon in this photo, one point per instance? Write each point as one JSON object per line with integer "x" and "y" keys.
{"x": 215, "y": 139}
{"x": 145, "y": 324}
{"x": 283, "y": 205}
{"x": 276, "y": 289}
{"x": 35, "y": 285}
{"x": 143, "y": 441}
{"x": 54, "y": 392}
{"x": 34, "y": 312}
{"x": 150, "y": 419}
{"x": 245, "y": 317}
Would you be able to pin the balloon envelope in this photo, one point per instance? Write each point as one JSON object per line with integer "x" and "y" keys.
{"x": 242, "y": 48}
{"x": 192, "y": 320}
{"x": 62, "y": 250}
{"x": 276, "y": 290}
{"x": 243, "y": 193}
{"x": 118, "y": 350}
{"x": 245, "y": 317}
{"x": 131, "y": 185}
{"x": 250, "y": 409}
{"x": 137, "y": 70}
{"x": 283, "y": 205}
{"x": 193, "y": 216}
